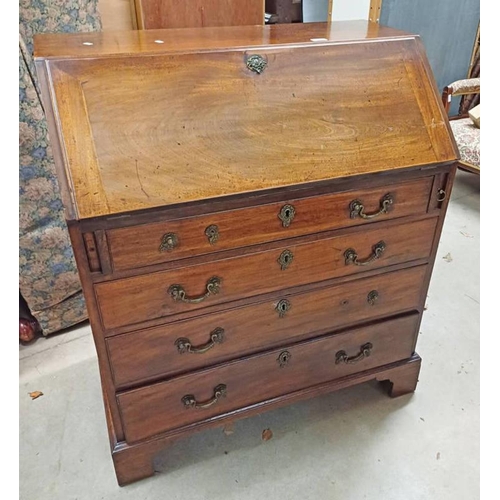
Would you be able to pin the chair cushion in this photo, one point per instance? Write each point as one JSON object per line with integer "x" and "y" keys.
{"x": 467, "y": 138}
{"x": 469, "y": 85}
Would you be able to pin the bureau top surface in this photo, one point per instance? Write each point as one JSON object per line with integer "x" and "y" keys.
{"x": 144, "y": 119}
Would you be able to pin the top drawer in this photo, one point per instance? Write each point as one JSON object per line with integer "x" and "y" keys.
{"x": 143, "y": 245}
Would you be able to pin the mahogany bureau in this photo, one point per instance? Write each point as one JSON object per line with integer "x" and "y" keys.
{"x": 255, "y": 213}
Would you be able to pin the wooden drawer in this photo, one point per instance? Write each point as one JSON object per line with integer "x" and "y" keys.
{"x": 160, "y": 407}
{"x": 157, "y": 352}
{"x": 143, "y": 245}
{"x": 130, "y": 301}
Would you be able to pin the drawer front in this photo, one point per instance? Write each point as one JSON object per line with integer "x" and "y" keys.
{"x": 147, "y": 244}
{"x": 207, "y": 340}
{"x": 130, "y": 301}
{"x": 171, "y": 404}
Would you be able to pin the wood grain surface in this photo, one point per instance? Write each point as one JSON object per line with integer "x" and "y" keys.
{"x": 113, "y": 43}
{"x": 157, "y": 408}
{"x": 140, "y": 298}
{"x": 158, "y": 14}
{"x": 142, "y": 132}
{"x": 152, "y": 353}
{"x": 139, "y": 245}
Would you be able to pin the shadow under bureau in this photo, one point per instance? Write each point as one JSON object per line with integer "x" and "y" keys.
{"x": 255, "y": 213}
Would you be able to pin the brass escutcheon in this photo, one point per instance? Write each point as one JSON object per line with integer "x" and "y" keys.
{"x": 256, "y": 63}
{"x": 212, "y": 233}
{"x": 284, "y": 358}
{"x": 372, "y": 297}
{"x": 282, "y": 307}
{"x": 285, "y": 259}
{"x": 286, "y": 215}
{"x": 168, "y": 242}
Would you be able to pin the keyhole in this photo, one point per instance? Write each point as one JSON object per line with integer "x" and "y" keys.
{"x": 286, "y": 258}
{"x": 287, "y": 213}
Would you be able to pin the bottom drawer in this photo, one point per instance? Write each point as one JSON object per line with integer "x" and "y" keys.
{"x": 206, "y": 393}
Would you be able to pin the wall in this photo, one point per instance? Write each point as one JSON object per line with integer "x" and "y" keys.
{"x": 347, "y": 10}
{"x": 448, "y": 30}
{"x": 342, "y": 10}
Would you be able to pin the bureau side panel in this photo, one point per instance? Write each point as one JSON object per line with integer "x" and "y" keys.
{"x": 439, "y": 201}
{"x": 112, "y": 413}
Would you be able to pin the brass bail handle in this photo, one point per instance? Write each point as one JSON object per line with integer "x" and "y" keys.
{"x": 184, "y": 345}
{"x": 189, "y": 401}
{"x": 357, "y": 208}
{"x": 351, "y": 257}
{"x": 178, "y": 293}
{"x": 365, "y": 351}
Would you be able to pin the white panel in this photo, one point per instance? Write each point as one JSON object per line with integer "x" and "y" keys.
{"x": 349, "y": 10}
{"x": 315, "y": 10}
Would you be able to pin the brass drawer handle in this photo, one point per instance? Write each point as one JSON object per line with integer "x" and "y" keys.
{"x": 351, "y": 257}
{"x": 184, "y": 345}
{"x": 189, "y": 401}
{"x": 365, "y": 351}
{"x": 285, "y": 259}
{"x": 286, "y": 215}
{"x": 372, "y": 297}
{"x": 212, "y": 233}
{"x": 178, "y": 293}
{"x": 441, "y": 195}
{"x": 358, "y": 209}
{"x": 256, "y": 63}
{"x": 168, "y": 242}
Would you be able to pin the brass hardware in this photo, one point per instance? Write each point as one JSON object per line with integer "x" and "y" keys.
{"x": 212, "y": 233}
{"x": 351, "y": 257}
{"x": 357, "y": 208}
{"x": 284, "y": 359}
{"x": 365, "y": 351}
{"x": 372, "y": 297}
{"x": 441, "y": 195}
{"x": 286, "y": 215}
{"x": 282, "y": 307}
{"x": 184, "y": 345}
{"x": 189, "y": 401}
{"x": 178, "y": 293}
{"x": 256, "y": 63}
{"x": 168, "y": 242}
{"x": 285, "y": 259}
